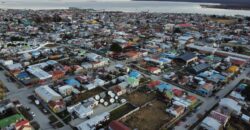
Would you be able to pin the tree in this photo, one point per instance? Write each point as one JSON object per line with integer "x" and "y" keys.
{"x": 2, "y": 91}
{"x": 246, "y": 93}
{"x": 177, "y": 30}
{"x": 115, "y": 47}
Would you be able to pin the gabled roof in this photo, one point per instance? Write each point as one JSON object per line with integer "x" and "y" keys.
{"x": 186, "y": 56}
{"x": 199, "y": 68}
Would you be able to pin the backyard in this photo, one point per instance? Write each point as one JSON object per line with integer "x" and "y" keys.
{"x": 83, "y": 96}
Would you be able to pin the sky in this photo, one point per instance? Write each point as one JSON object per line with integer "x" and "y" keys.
{"x": 59, "y": 0}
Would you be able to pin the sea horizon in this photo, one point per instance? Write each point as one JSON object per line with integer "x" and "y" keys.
{"x": 126, "y": 6}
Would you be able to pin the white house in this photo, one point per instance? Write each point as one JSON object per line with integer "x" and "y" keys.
{"x": 231, "y": 104}
{"x": 80, "y": 110}
{"x": 175, "y": 110}
{"x": 65, "y": 90}
{"x": 210, "y": 123}
{"x": 47, "y": 94}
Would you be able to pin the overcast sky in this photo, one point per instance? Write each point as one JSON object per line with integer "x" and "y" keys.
{"x": 59, "y": 0}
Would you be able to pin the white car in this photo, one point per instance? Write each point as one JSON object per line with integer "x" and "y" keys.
{"x": 33, "y": 114}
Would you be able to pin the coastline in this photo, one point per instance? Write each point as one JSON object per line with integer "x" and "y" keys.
{"x": 130, "y": 6}
{"x": 227, "y": 6}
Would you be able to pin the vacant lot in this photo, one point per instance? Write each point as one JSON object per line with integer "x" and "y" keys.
{"x": 154, "y": 115}
{"x": 223, "y": 20}
{"x": 139, "y": 98}
{"x": 236, "y": 124}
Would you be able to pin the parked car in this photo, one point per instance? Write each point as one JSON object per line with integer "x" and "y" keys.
{"x": 33, "y": 114}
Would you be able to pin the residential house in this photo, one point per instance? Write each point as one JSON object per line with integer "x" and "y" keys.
{"x": 47, "y": 94}
{"x": 199, "y": 68}
{"x": 23, "y": 125}
{"x": 81, "y": 111}
{"x": 210, "y": 123}
{"x": 154, "y": 70}
{"x": 66, "y": 90}
{"x": 116, "y": 125}
{"x": 186, "y": 58}
{"x": 205, "y": 89}
{"x": 176, "y": 110}
{"x": 231, "y": 105}
{"x": 93, "y": 122}
{"x": 57, "y": 106}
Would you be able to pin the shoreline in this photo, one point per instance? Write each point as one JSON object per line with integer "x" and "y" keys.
{"x": 227, "y": 6}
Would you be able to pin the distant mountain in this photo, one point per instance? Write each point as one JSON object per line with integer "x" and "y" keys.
{"x": 208, "y": 1}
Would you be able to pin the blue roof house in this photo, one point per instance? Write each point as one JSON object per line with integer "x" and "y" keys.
{"x": 134, "y": 74}
{"x": 163, "y": 86}
{"x": 73, "y": 82}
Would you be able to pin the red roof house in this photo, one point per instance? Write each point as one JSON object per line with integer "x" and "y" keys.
{"x": 116, "y": 125}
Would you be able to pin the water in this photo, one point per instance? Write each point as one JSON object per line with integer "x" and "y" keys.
{"x": 120, "y": 5}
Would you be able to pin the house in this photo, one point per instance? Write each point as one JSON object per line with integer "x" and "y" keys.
{"x": 186, "y": 58}
{"x": 199, "y": 68}
{"x": 134, "y": 74}
{"x": 119, "y": 89}
{"x": 178, "y": 92}
{"x": 65, "y": 90}
{"x": 89, "y": 86}
{"x": 154, "y": 83}
{"x": 169, "y": 27}
{"x": 23, "y": 125}
{"x": 57, "y": 106}
{"x": 99, "y": 82}
{"x": 99, "y": 64}
{"x": 92, "y": 122}
{"x": 90, "y": 103}
{"x": 176, "y": 110}
{"x": 39, "y": 73}
{"x": 192, "y": 99}
{"x": 93, "y": 57}
{"x": 132, "y": 81}
{"x": 233, "y": 69}
{"x": 81, "y": 111}
{"x": 47, "y": 94}
{"x": 14, "y": 66}
{"x": 231, "y": 105}
{"x": 57, "y": 74}
{"x": 205, "y": 89}
{"x": 133, "y": 54}
{"x": 73, "y": 82}
{"x": 210, "y": 123}
{"x": 164, "y": 87}
{"x": 116, "y": 125}
{"x": 154, "y": 70}
{"x": 222, "y": 118}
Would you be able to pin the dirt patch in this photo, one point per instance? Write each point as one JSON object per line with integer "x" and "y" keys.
{"x": 151, "y": 117}
{"x": 223, "y": 20}
{"x": 138, "y": 98}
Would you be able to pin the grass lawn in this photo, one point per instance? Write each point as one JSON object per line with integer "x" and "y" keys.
{"x": 65, "y": 116}
{"x": 122, "y": 110}
{"x": 153, "y": 114}
{"x": 9, "y": 120}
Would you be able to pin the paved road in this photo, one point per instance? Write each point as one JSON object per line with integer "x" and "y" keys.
{"x": 211, "y": 101}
